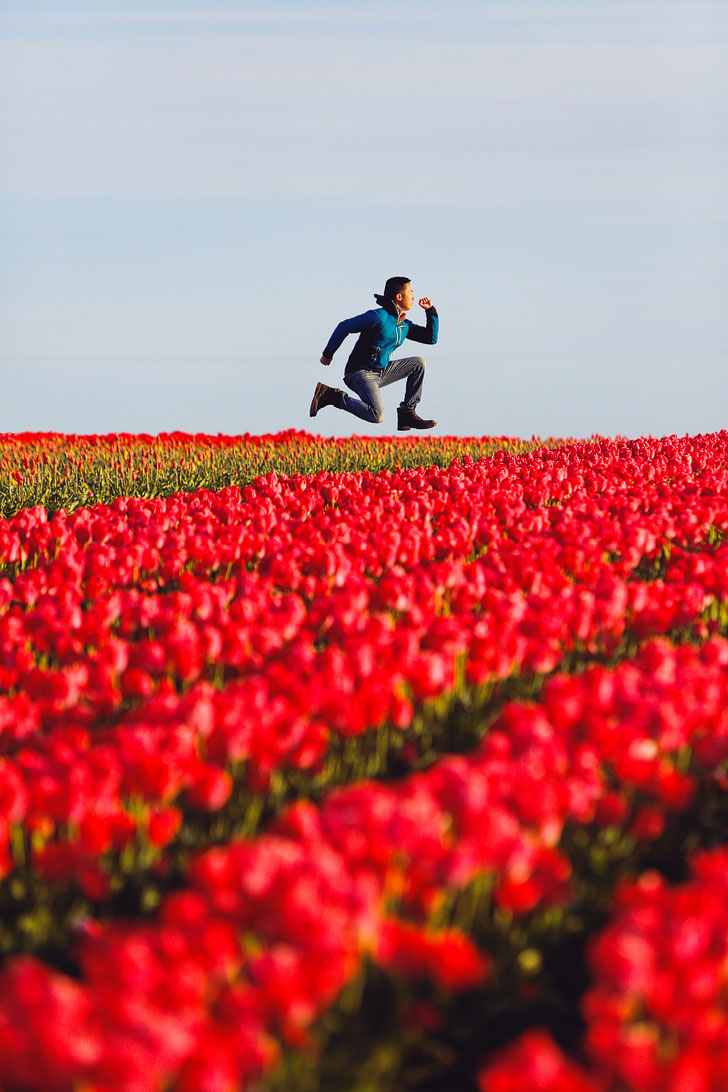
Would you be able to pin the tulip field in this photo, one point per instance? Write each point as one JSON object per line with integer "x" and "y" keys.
{"x": 363, "y": 765}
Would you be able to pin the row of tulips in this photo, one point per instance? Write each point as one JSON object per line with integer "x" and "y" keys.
{"x": 657, "y": 1011}
{"x": 66, "y": 471}
{"x": 159, "y": 654}
{"x": 267, "y": 932}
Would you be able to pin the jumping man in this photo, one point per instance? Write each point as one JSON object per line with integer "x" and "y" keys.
{"x": 381, "y": 331}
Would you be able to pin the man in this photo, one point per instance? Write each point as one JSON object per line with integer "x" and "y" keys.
{"x": 381, "y": 331}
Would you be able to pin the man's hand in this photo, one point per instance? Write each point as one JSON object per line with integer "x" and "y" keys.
{"x": 326, "y": 359}
{"x": 425, "y": 302}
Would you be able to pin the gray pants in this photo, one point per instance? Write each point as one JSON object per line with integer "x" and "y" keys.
{"x": 366, "y": 384}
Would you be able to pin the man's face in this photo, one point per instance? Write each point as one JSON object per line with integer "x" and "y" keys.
{"x": 405, "y": 298}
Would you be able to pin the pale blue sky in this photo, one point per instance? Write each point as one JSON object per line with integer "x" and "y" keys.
{"x": 192, "y": 196}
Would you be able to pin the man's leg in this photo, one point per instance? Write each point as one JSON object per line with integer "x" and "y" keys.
{"x": 411, "y": 368}
{"x": 368, "y": 405}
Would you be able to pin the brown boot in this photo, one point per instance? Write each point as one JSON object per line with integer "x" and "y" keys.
{"x": 324, "y": 396}
{"x": 407, "y": 418}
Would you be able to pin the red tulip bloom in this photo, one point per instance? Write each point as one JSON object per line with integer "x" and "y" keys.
{"x": 534, "y": 1061}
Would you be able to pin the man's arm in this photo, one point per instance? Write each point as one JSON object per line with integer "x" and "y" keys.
{"x": 353, "y": 325}
{"x": 426, "y": 335}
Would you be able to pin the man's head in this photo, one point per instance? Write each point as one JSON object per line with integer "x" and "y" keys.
{"x": 398, "y": 290}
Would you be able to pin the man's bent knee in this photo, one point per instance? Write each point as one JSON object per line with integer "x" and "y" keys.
{"x": 377, "y": 416}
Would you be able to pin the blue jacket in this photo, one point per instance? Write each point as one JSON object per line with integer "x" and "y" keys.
{"x": 380, "y": 331}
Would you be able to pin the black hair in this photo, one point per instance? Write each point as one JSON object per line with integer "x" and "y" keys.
{"x": 391, "y": 288}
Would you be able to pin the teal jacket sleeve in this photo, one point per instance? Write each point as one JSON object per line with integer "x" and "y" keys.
{"x": 426, "y": 335}
{"x": 354, "y": 325}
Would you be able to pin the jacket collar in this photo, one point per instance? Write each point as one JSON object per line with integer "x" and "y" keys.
{"x": 391, "y": 306}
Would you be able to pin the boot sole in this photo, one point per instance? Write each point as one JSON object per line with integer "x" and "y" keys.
{"x": 315, "y": 400}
